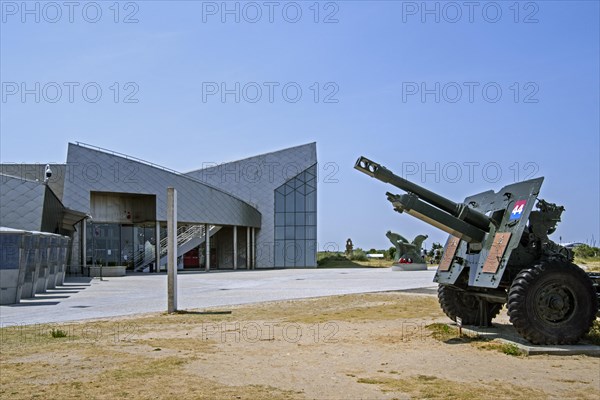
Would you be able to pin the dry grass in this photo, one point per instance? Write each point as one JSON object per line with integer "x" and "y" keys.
{"x": 431, "y": 387}
{"x": 447, "y": 334}
{"x": 375, "y": 263}
{"x": 169, "y": 356}
{"x": 590, "y": 265}
{"x": 123, "y": 376}
{"x": 351, "y": 308}
{"x": 137, "y": 357}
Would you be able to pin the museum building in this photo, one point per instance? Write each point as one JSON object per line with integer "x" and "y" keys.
{"x": 259, "y": 212}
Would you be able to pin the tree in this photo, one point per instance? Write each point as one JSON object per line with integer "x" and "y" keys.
{"x": 434, "y": 246}
{"x": 392, "y": 252}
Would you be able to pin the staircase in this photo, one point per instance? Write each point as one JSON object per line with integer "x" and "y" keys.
{"x": 188, "y": 237}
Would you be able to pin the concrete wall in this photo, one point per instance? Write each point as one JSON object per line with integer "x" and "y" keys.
{"x": 123, "y": 209}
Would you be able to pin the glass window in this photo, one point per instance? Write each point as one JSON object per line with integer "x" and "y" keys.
{"x": 279, "y": 232}
{"x": 311, "y": 218}
{"x": 299, "y": 202}
{"x": 289, "y": 232}
{"x": 279, "y": 201}
{"x": 289, "y": 218}
{"x": 279, "y": 219}
{"x": 311, "y": 201}
{"x": 295, "y": 220}
{"x": 290, "y": 253}
{"x": 311, "y": 253}
{"x": 301, "y": 189}
{"x": 279, "y": 253}
{"x": 300, "y": 253}
{"x": 289, "y": 202}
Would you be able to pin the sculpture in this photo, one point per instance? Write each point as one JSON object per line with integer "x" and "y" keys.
{"x": 406, "y": 250}
{"x": 349, "y": 247}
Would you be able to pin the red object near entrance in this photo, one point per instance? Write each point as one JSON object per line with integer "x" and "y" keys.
{"x": 191, "y": 260}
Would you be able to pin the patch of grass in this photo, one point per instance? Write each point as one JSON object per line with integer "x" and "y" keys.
{"x": 357, "y": 260}
{"x": 58, "y": 333}
{"x": 369, "y": 381}
{"x": 593, "y": 336}
{"x": 506, "y": 348}
{"x": 431, "y": 387}
{"x": 376, "y": 263}
{"x": 442, "y": 332}
{"x": 447, "y": 334}
{"x": 511, "y": 349}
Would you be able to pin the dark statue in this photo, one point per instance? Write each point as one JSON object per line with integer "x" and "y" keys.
{"x": 349, "y": 247}
{"x": 406, "y": 250}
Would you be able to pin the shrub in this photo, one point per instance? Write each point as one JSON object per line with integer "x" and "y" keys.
{"x": 58, "y": 333}
{"x": 325, "y": 257}
{"x": 585, "y": 251}
{"x": 358, "y": 255}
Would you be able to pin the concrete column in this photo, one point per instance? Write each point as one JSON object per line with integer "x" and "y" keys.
{"x": 157, "y": 246}
{"x": 171, "y": 250}
{"x": 248, "y": 255}
{"x": 83, "y": 245}
{"x": 207, "y": 244}
{"x": 235, "y": 242}
{"x": 253, "y": 248}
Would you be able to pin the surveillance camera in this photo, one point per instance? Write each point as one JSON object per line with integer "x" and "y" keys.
{"x": 48, "y": 171}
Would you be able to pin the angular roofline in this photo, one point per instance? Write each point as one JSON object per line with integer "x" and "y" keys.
{"x": 20, "y": 178}
{"x": 256, "y": 156}
{"x": 153, "y": 165}
{"x": 48, "y": 189}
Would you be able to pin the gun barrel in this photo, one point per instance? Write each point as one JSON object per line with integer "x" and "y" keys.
{"x": 383, "y": 174}
{"x": 458, "y": 210}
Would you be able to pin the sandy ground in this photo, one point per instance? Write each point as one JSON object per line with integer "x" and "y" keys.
{"x": 367, "y": 346}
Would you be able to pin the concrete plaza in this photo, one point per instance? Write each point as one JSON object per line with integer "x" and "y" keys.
{"x": 85, "y": 298}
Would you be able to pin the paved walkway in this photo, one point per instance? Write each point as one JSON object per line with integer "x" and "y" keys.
{"x": 84, "y": 298}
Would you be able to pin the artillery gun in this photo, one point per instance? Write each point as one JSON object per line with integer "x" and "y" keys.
{"x": 498, "y": 252}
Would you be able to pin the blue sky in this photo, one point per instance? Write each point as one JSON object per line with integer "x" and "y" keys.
{"x": 479, "y": 97}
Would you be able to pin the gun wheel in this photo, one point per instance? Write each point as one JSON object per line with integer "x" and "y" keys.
{"x": 553, "y": 302}
{"x": 456, "y": 303}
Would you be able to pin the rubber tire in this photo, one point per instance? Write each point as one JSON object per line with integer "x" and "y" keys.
{"x": 524, "y": 311}
{"x": 455, "y": 303}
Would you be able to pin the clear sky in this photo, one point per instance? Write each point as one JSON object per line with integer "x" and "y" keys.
{"x": 460, "y": 97}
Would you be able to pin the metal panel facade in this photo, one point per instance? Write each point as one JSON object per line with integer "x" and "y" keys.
{"x": 21, "y": 203}
{"x": 95, "y": 170}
